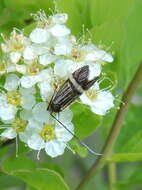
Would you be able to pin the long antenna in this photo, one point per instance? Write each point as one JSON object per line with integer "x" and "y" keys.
{"x": 80, "y": 141}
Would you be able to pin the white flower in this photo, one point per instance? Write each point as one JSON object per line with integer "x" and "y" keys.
{"x": 64, "y": 45}
{"x": 59, "y": 30}
{"x": 15, "y": 57}
{"x": 28, "y": 81}
{"x": 9, "y": 133}
{"x": 29, "y": 53}
{"x": 93, "y": 53}
{"x": 19, "y": 127}
{"x": 46, "y": 90}
{"x": 7, "y": 111}
{"x": 12, "y": 82}
{"x": 59, "y": 18}
{"x": 99, "y": 101}
{"x": 40, "y": 112}
{"x": 50, "y": 135}
{"x": 15, "y": 46}
{"x": 47, "y": 58}
{"x": 14, "y": 97}
{"x": 39, "y": 35}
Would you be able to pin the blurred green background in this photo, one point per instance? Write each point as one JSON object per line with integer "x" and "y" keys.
{"x": 112, "y": 23}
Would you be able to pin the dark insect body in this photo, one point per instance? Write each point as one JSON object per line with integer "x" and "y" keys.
{"x": 72, "y": 88}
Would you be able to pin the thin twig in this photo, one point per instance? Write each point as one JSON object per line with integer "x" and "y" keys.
{"x": 112, "y": 175}
{"x": 116, "y": 126}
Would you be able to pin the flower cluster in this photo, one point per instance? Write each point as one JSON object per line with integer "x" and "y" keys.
{"x": 32, "y": 68}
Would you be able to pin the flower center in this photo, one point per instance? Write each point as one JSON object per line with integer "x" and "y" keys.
{"x": 92, "y": 95}
{"x": 77, "y": 54}
{"x": 14, "y": 98}
{"x": 19, "y": 125}
{"x": 2, "y": 67}
{"x": 16, "y": 42}
{"x": 33, "y": 69}
{"x": 57, "y": 83}
{"x": 47, "y": 133}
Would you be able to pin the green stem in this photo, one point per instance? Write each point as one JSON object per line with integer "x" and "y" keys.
{"x": 112, "y": 175}
{"x": 115, "y": 129}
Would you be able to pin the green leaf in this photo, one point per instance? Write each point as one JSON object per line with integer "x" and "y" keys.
{"x": 21, "y": 163}
{"x": 38, "y": 178}
{"x": 17, "y": 13}
{"x": 80, "y": 150}
{"x": 78, "y": 12}
{"x": 111, "y": 33}
{"x": 125, "y": 157}
{"x": 132, "y": 48}
{"x": 30, "y": 188}
{"x": 42, "y": 179}
{"x": 129, "y": 139}
{"x": 102, "y": 10}
{"x": 53, "y": 166}
{"x": 133, "y": 181}
{"x": 84, "y": 120}
{"x": 7, "y": 181}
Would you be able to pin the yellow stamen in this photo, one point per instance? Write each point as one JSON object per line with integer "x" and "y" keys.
{"x": 78, "y": 54}
{"x": 33, "y": 69}
{"x": 47, "y": 133}
{"x": 91, "y": 94}
{"x": 19, "y": 125}
{"x": 14, "y": 98}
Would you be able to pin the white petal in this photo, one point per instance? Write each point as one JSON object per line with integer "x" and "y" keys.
{"x": 97, "y": 55}
{"x": 47, "y": 59}
{"x": 27, "y": 91}
{"x": 12, "y": 82}
{"x": 59, "y": 30}
{"x": 94, "y": 70}
{"x": 62, "y": 68}
{"x": 54, "y": 148}
{"x": 35, "y": 124}
{"x": 46, "y": 91}
{"x": 26, "y": 135}
{"x": 103, "y": 103}
{"x": 45, "y": 74}
{"x": 21, "y": 69}
{"x": 108, "y": 57}
{"x": 85, "y": 99}
{"x": 63, "y": 49}
{"x": 26, "y": 114}
{"x": 40, "y": 112}
{"x": 41, "y": 49}
{"x": 28, "y": 81}
{"x": 59, "y": 18}
{"x": 39, "y": 35}
{"x": 7, "y": 112}
{"x": 11, "y": 68}
{"x": 9, "y": 133}
{"x": 62, "y": 134}
{"x": 3, "y": 100}
{"x": 66, "y": 116}
{"x": 29, "y": 53}
{"x": 15, "y": 57}
{"x": 28, "y": 102}
{"x": 36, "y": 142}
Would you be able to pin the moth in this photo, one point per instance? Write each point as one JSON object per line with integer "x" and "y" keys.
{"x": 72, "y": 88}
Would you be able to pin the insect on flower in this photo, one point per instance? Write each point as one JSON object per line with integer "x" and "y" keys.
{"x": 73, "y": 87}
